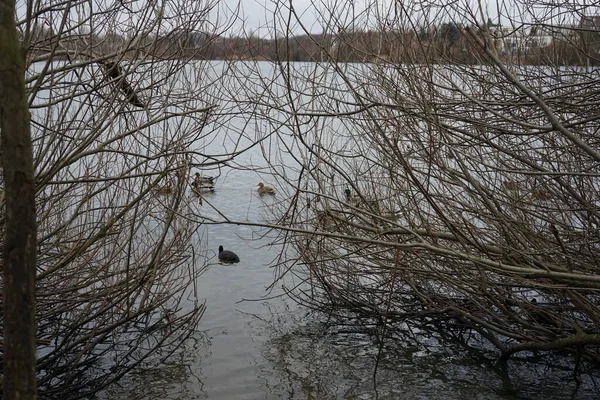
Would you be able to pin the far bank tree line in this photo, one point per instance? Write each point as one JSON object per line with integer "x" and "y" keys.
{"x": 447, "y": 42}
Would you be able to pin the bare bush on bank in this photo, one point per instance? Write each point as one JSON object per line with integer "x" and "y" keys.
{"x": 433, "y": 192}
{"x": 114, "y": 136}
{"x": 427, "y": 192}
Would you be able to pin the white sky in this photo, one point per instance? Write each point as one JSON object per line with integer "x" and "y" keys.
{"x": 266, "y": 18}
{"x": 314, "y": 14}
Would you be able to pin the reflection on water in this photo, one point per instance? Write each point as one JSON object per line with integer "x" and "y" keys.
{"x": 255, "y": 345}
{"x": 174, "y": 379}
{"x": 271, "y": 349}
{"x": 315, "y": 364}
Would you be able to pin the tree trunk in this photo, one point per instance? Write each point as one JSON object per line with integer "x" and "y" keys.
{"x": 20, "y": 224}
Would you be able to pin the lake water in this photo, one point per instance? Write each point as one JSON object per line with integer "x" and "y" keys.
{"x": 255, "y": 345}
{"x": 253, "y": 342}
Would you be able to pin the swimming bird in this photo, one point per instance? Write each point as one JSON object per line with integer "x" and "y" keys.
{"x": 262, "y": 189}
{"x": 165, "y": 189}
{"x": 204, "y": 180}
{"x": 227, "y": 256}
{"x": 353, "y": 200}
{"x": 202, "y": 184}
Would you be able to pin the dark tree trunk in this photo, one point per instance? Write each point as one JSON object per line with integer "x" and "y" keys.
{"x": 19, "y": 253}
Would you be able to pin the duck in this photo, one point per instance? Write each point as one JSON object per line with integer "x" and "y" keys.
{"x": 353, "y": 200}
{"x": 203, "y": 184}
{"x": 262, "y": 189}
{"x": 204, "y": 180}
{"x": 165, "y": 189}
{"x": 348, "y": 193}
{"x": 227, "y": 256}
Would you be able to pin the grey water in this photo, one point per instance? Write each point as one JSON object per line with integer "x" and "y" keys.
{"x": 253, "y": 342}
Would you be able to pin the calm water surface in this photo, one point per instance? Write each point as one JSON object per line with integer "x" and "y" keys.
{"x": 253, "y": 344}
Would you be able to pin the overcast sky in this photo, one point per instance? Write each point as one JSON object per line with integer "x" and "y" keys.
{"x": 266, "y": 18}
{"x": 264, "y": 15}
{"x": 259, "y": 16}
{"x": 314, "y": 14}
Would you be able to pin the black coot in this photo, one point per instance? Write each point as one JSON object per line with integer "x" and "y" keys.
{"x": 227, "y": 256}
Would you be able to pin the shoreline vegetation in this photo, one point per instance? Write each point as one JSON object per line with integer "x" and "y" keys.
{"x": 447, "y": 43}
{"x": 448, "y": 187}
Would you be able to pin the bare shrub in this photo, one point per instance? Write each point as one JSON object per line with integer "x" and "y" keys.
{"x": 437, "y": 191}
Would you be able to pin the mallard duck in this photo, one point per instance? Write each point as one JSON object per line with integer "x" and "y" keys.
{"x": 262, "y": 189}
{"x": 227, "y": 256}
{"x": 348, "y": 193}
{"x": 203, "y": 184}
{"x": 353, "y": 200}
{"x": 204, "y": 180}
